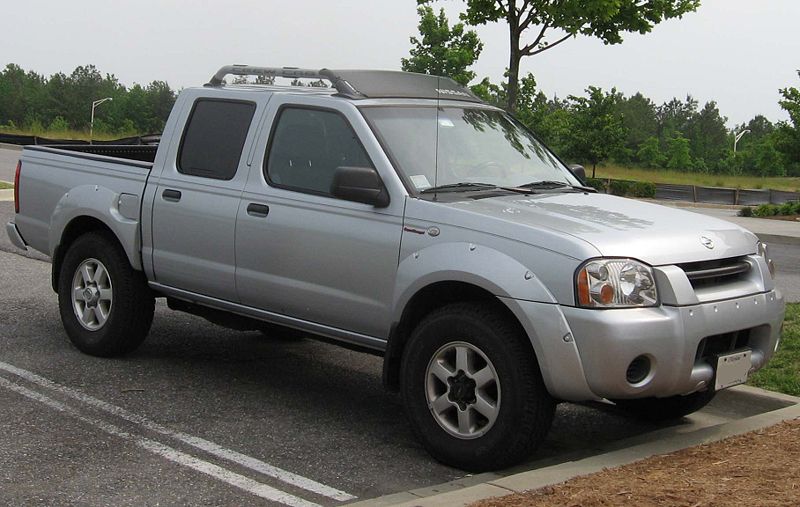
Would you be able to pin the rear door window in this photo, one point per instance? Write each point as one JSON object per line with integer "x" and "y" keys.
{"x": 214, "y": 138}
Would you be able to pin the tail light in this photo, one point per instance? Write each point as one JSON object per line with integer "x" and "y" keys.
{"x": 16, "y": 186}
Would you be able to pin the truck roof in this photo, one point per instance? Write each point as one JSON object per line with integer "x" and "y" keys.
{"x": 355, "y": 84}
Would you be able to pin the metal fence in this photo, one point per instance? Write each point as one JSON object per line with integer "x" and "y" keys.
{"x": 721, "y": 195}
{"x": 43, "y": 141}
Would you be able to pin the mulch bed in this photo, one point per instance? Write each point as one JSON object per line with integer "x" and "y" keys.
{"x": 756, "y": 469}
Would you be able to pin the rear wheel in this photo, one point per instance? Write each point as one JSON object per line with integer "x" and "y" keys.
{"x": 665, "y": 409}
{"x": 105, "y": 305}
{"x": 472, "y": 389}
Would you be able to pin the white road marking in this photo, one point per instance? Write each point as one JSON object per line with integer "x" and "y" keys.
{"x": 174, "y": 455}
{"x": 196, "y": 442}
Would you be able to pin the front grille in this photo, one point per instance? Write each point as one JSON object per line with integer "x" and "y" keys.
{"x": 711, "y": 346}
{"x": 716, "y": 272}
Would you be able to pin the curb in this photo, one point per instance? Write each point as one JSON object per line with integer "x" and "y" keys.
{"x": 14, "y": 147}
{"x": 7, "y": 195}
{"x": 491, "y": 485}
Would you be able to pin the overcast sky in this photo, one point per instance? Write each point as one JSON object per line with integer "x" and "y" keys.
{"x": 737, "y": 52}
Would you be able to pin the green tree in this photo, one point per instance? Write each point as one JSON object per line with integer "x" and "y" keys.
{"x": 649, "y": 153}
{"x": 678, "y": 153}
{"x": 708, "y": 137}
{"x": 596, "y": 126}
{"x": 607, "y": 20}
{"x": 787, "y": 139}
{"x": 639, "y": 117}
{"x": 441, "y": 50}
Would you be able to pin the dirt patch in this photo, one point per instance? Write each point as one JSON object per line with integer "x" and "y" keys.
{"x": 759, "y": 468}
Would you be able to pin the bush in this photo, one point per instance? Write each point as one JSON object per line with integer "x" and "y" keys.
{"x": 597, "y": 184}
{"x": 765, "y": 210}
{"x": 747, "y": 211}
{"x": 619, "y": 187}
{"x": 642, "y": 189}
{"x": 771, "y": 210}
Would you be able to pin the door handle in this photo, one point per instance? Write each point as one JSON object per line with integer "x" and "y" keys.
{"x": 257, "y": 210}
{"x": 171, "y": 195}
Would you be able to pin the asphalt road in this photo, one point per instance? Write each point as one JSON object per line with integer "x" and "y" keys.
{"x": 206, "y": 416}
{"x": 8, "y": 164}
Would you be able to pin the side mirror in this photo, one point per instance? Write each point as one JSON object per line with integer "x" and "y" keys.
{"x": 359, "y": 184}
{"x": 579, "y": 172}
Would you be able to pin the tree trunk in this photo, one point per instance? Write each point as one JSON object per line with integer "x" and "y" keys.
{"x": 513, "y": 78}
{"x": 594, "y": 166}
{"x": 514, "y": 58}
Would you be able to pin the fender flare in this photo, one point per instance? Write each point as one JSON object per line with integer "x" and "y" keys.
{"x": 484, "y": 267}
{"x": 112, "y": 209}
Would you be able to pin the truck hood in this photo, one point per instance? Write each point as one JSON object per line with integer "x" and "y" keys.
{"x": 619, "y": 227}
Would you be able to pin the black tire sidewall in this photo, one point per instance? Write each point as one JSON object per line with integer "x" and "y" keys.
{"x": 119, "y": 334}
{"x": 502, "y": 444}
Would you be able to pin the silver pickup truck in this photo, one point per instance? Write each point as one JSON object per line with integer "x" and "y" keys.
{"x": 398, "y": 214}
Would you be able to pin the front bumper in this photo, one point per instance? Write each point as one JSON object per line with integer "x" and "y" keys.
{"x": 669, "y": 336}
{"x": 14, "y": 236}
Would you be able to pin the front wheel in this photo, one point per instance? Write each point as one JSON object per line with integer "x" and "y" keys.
{"x": 105, "y": 305}
{"x": 473, "y": 390}
{"x": 666, "y": 409}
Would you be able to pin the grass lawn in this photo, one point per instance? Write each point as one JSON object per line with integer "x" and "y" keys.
{"x": 4, "y": 185}
{"x": 700, "y": 179}
{"x": 782, "y": 374}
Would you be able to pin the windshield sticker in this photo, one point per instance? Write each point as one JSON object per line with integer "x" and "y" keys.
{"x": 420, "y": 181}
{"x": 446, "y": 122}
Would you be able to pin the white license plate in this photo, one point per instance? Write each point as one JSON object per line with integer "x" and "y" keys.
{"x": 732, "y": 369}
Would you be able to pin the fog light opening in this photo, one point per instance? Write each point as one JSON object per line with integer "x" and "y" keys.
{"x": 638, "y": 370}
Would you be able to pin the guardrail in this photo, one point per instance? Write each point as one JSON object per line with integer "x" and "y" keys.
{"x": 720, "y": 195}
{"x": 148, "y": 139}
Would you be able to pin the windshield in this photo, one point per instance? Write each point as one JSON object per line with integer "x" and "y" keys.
{"x": 445, "y": 146}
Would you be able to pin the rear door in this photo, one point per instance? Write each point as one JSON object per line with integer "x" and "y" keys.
{"x": 195, "y": 204}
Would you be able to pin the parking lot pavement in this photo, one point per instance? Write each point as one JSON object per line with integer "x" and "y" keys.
{"x": 8, "y": 163}
{"x": 204, "y": 415}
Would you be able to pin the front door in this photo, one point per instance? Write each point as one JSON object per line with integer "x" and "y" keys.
{"x": 303, "y": 253}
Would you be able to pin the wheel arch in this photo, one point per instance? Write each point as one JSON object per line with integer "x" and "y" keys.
{"x": 427, "y": 299}
{"x": 76, "y": 228}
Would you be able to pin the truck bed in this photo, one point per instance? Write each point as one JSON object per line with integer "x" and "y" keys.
{"x": 58, "y": 183}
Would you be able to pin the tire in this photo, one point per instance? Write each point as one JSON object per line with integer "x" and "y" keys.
{"x": 523, "y": 410}
{"x": 666, "y": 409}
{"x": 120, "y": 305}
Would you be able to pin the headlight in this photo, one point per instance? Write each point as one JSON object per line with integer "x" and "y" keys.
{"x": 615, "y": 283}
{"x": 763, "y": 251}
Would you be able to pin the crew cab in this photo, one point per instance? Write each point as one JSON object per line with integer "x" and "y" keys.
{"x": 398, "y": 214}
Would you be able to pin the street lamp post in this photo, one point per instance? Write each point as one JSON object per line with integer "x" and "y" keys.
{"x": 100, "y": 101}
{"x": 736, "y": 138}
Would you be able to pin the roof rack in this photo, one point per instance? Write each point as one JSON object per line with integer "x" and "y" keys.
{"x": 287, "y": 72}
{"x": 362, "y": 84}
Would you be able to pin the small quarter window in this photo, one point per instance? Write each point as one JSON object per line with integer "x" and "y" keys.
{"x": 307, "y": 146}
{"x": 214, "y": 138}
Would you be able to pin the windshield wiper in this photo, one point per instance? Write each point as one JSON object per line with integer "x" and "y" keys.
{"x": 556, "y": 184}
{"x": 455, "y": 187}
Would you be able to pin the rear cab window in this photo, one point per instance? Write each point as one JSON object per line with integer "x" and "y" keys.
{"x": 214, "y": 137}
